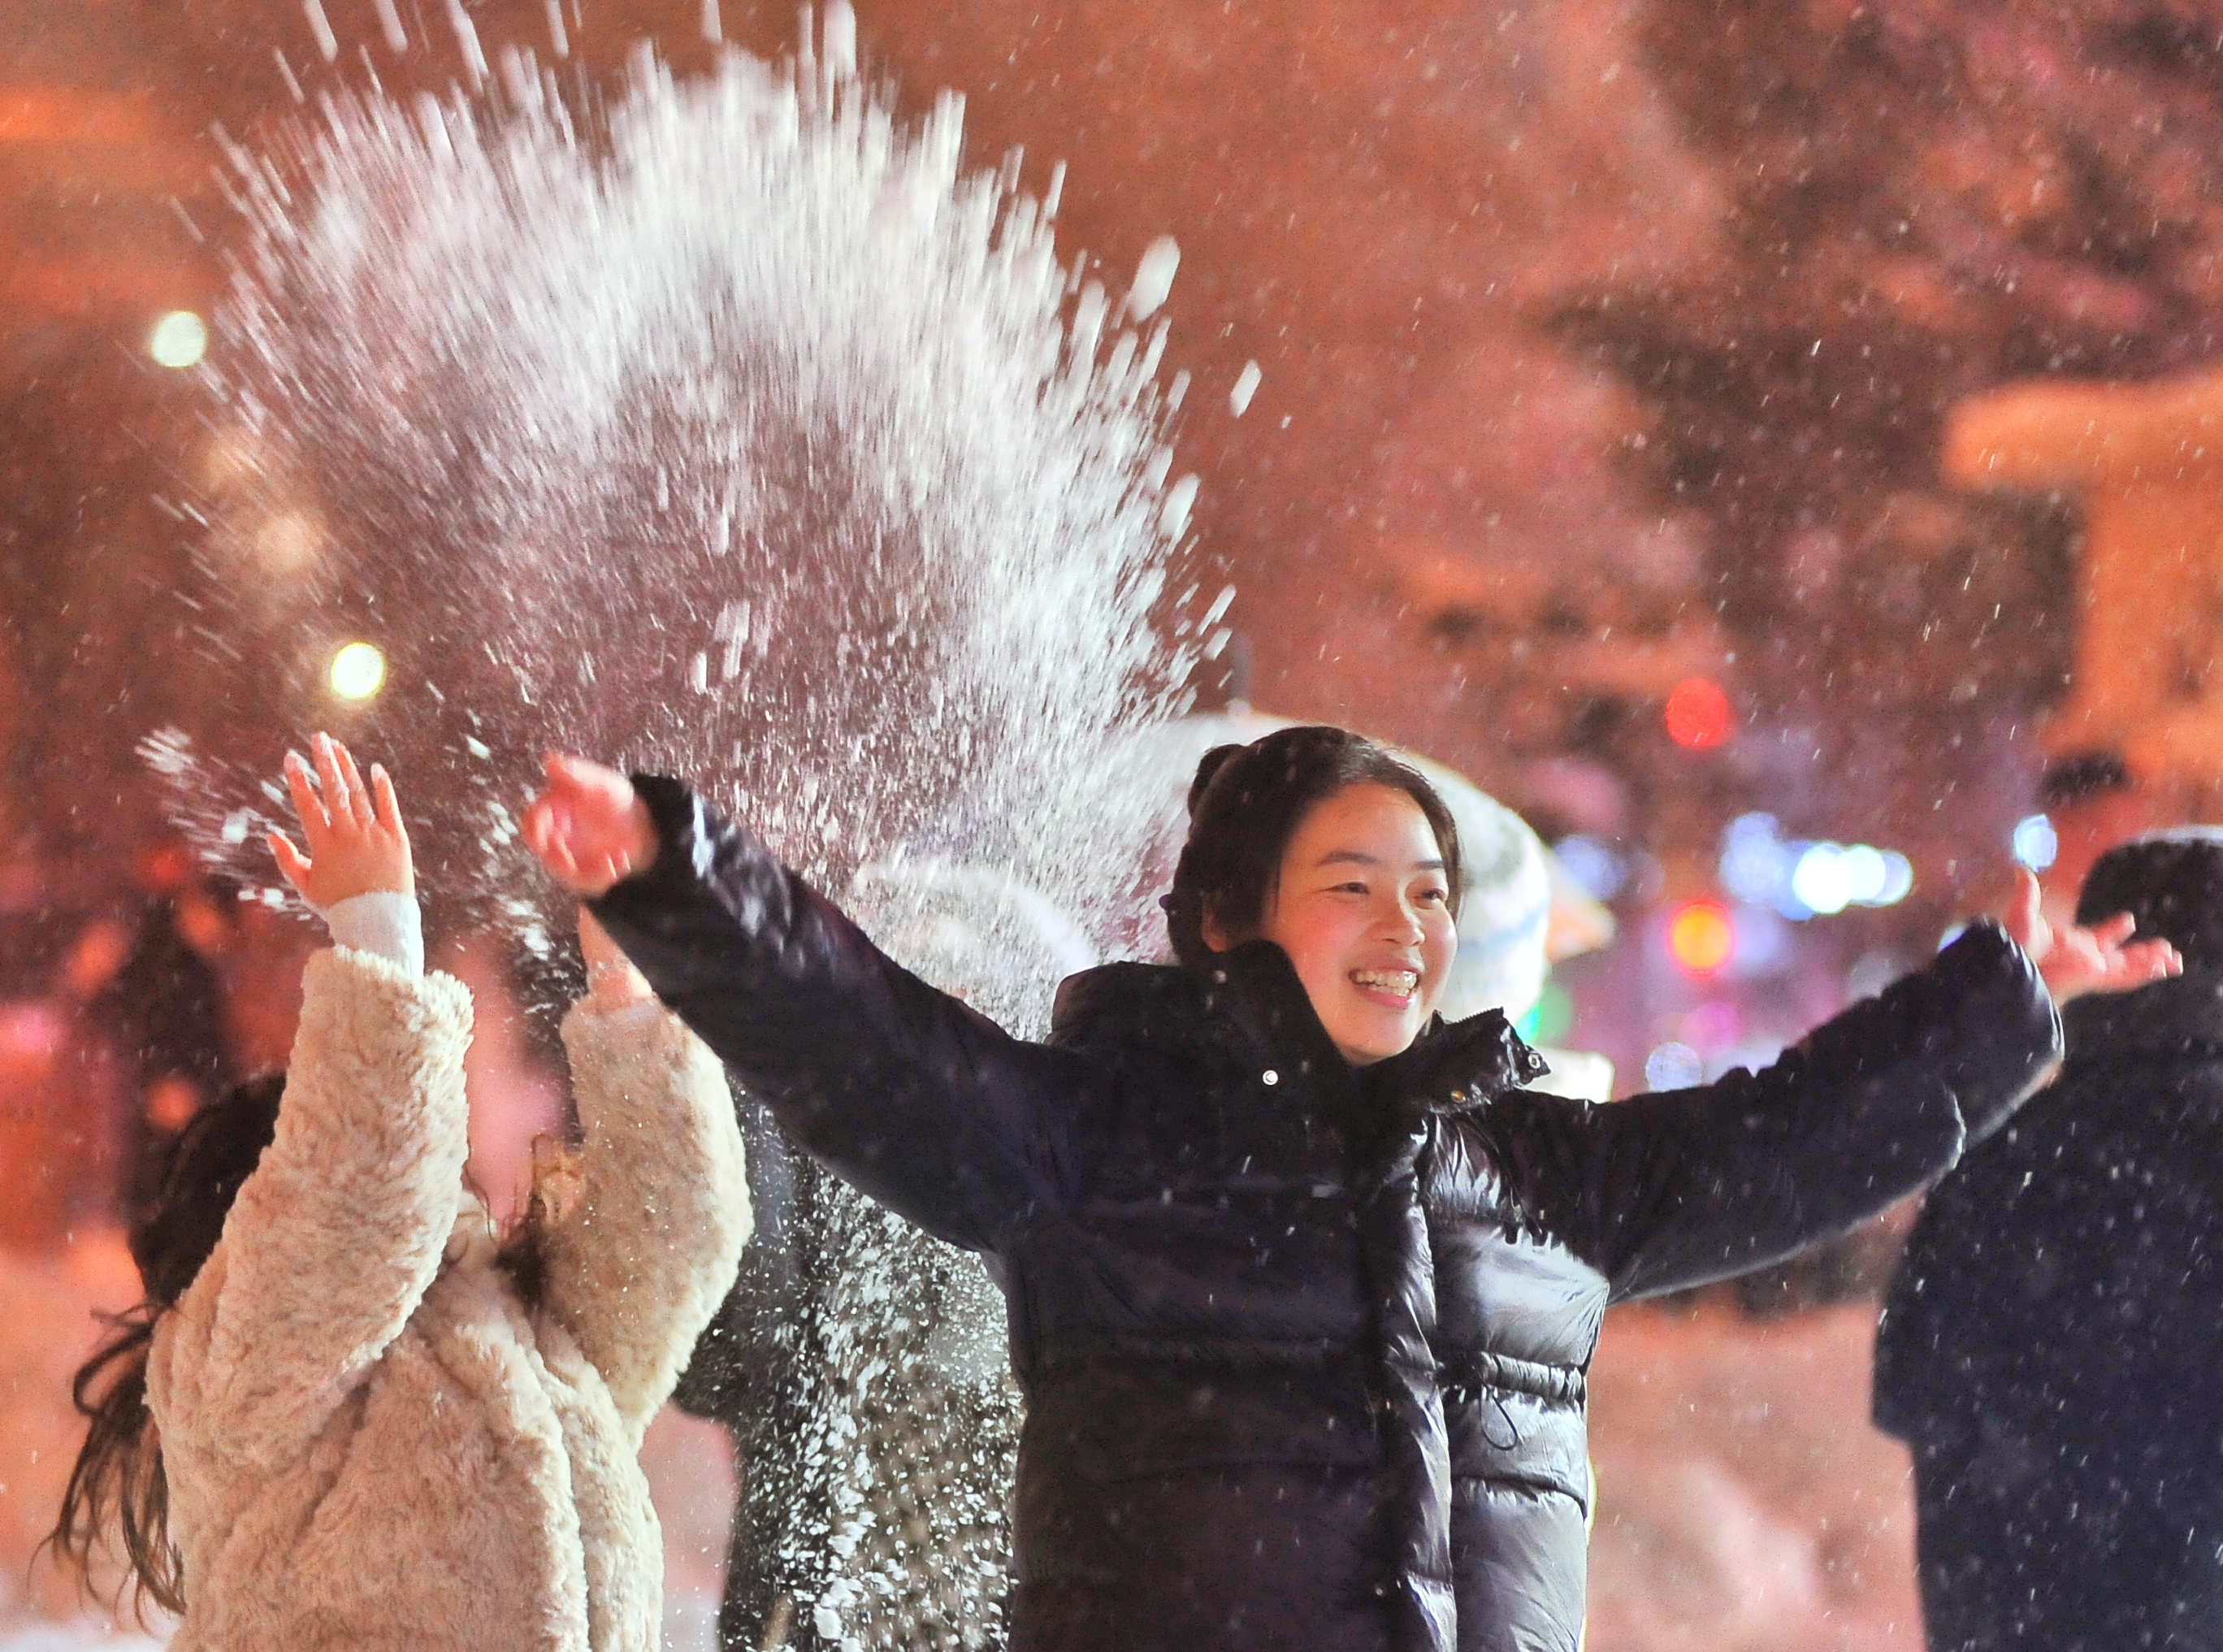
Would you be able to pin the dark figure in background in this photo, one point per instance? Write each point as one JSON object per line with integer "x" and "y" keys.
{"x": 163, "y": 1011}
{"x": 2052, "y": 1349}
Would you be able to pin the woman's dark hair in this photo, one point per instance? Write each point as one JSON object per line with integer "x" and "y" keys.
{"x": 119, "y": 1469}
{"x": 1246, "y": 803}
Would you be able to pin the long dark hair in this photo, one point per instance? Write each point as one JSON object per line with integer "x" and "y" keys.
{"x": 119, "y": 1473}
{"x": 1246, "y": 803}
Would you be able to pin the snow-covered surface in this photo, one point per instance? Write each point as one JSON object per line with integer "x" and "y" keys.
{"x": 1745, "y": 1505}
{"x": 46, "y": 1328}
{"x": 83, "y": 1635}
{"x": 690, "y": 1476}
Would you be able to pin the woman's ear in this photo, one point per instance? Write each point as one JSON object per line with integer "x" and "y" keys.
{"x": 1215, "y": 935}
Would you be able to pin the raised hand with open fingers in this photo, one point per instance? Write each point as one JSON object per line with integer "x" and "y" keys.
{"x": 2074, "y": 959}
{"x": 356, "y": 842}
{"x": 587, "y": 828}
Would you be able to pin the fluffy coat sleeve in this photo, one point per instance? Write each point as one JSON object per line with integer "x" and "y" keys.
{"x": 335, "y": 1238}
{"x": 637, "y": 1271}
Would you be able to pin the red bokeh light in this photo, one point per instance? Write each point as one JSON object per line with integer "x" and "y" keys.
{"x": 1698, "y": 714}
{"x": 1701, "y": 937}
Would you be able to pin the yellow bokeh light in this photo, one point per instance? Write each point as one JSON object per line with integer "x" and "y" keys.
{"x": 358, "y": 671}
{"x": 1702, "y": 937}
{"x": 180, "y": 339}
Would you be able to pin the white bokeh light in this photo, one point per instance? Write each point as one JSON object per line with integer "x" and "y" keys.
{"x": 358, "y": 671}
{"x": 1822, "y": 879}
{"x": 180, "y": 339}
{"x": 2035, "y": 842}
{"x": 1674, "y": 1067}
{"x": 1866, "y": 874}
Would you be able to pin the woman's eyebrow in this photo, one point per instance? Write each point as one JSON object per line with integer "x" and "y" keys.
{"x": 1360, "y": 857}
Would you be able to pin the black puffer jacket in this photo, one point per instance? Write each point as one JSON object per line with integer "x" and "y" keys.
{"x": 1303, "y": 1347}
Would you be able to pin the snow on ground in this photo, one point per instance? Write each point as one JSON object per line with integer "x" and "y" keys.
{"x": 1745, "y": 1503}
{"x": 90, "y": 1635}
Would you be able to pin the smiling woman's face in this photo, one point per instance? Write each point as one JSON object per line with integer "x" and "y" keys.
{"x": 1362, "y": 909}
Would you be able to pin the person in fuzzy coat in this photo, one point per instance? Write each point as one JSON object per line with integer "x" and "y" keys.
{"x": 373, "y": 1424}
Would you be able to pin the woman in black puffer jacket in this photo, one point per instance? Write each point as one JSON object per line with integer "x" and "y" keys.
{"x": 1302, "y": 1282}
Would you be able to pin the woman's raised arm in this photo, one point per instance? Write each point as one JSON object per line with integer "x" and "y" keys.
{"x": 913, "y": 1099}
{"x": 1665, "y": 1191}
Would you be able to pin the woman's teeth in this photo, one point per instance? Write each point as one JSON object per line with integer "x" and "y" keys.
{"x": 1403, "y": 982}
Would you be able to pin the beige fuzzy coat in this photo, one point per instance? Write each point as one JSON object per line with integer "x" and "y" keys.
{"x": 371, "y": 1442}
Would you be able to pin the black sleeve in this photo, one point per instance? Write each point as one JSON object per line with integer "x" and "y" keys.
{"x": 1666, "y": 1191}
{"x": 904, "y": 1093}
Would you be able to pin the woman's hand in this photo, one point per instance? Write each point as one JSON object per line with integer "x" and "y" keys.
{"x": 587, "y": 828}
{"x": 612, "y": 981}
{"x": 2074, "y": 960}
{"x": 358, "y": 845}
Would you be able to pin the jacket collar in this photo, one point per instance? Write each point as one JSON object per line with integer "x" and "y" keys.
{"x": 1250, "y": 997}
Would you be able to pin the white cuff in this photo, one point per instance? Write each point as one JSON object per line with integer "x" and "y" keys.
{"x": 386, "y": 922}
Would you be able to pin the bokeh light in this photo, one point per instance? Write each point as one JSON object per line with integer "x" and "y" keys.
{"x": 1701, "y": 937}
{"x": 180, "y": 339}
{"x": 1673, "y": 1067}
{"x": 1698, "y": 714}
{"x": 1551, "y": 1017}
{"x": 2036, "y": 844}
{"x": 358, "y": 671}
{"x": 1601, "y": 872}
{"x": 289, "y": 542}
{"x": 1822, "y": 879}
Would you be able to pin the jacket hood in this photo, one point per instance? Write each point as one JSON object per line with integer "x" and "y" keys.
{"x": 1251, "y": 1002}
{"x": 2172, "y": 883}
{"x": 2181, "y": 1018}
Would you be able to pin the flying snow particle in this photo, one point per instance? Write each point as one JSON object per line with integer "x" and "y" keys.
{"x": 320, "y": 26}
{"x": 1246, "y": 386}
{"x": 1154, "y": 277}
{"x": 467, "y": 41}
{"x": 837, "y": 39}
{"x": 389, "y": 24}
{"x": 1173, "y": 516}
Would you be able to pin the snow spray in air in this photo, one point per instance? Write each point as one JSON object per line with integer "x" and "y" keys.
{"x": 731, "y": 428}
